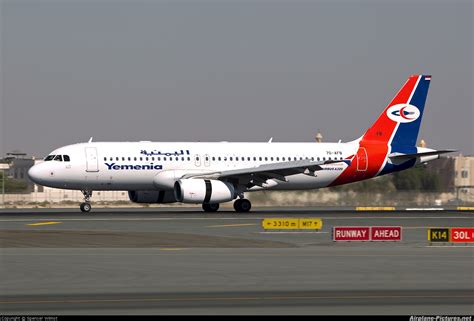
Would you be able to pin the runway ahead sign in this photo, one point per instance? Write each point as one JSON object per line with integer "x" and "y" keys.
{"x": 367, "y": 233}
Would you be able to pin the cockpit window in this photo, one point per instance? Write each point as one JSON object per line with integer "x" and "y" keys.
{"x": 58, "y": 158}
{"x": 66, "y": 158}
{"x": 49, "y": 158}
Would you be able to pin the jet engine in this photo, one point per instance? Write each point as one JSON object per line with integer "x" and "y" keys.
{"x": 203, "y": 191}
{"x": 152, "y": 197}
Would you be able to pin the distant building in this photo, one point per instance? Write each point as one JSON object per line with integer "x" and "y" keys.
{"x": 463, "y": 176}
{"x": 19, "y": 166}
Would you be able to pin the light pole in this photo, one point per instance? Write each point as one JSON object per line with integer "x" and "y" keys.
{"x": 3, "y": 167}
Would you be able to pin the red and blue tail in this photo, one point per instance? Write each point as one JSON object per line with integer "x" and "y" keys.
{"x": 399, "y": 124}
{"x": 395, "y": 131}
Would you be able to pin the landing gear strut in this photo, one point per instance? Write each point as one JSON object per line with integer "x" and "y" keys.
{"x": 242, "y": 205}
{"x": 210, "y": 207}
{"x": 86, "y": 206}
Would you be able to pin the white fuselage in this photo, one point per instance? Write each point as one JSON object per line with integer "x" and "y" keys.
{"x": 148, "y": 165}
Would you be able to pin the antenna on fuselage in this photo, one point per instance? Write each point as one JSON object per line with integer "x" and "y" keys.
{"x": 270, "y": 140}
{"x": 90, "y": 140}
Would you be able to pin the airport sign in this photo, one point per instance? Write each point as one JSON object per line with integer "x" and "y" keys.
{"x": 386, "y": 233}
{"x": 292, "y": 223}
{"x": 462, "y": 235}
{"x": 367, "y": 233}
{"x": 351, "y": 233}
{"x": 438, "y": 234}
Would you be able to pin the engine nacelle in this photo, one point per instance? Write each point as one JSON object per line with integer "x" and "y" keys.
{"x": 152, "y": 197}
{"x": 203, "y": 191}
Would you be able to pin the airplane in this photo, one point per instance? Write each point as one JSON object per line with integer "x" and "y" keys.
{"x": 210, "y": 173}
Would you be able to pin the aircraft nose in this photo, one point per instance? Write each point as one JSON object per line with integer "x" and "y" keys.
{"x": 35, "y": 173}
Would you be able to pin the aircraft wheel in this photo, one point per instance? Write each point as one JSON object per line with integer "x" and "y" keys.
{"x": 86, "y": 207}
{"x": 242, "y": 205}
{"x": 210, "y": 207}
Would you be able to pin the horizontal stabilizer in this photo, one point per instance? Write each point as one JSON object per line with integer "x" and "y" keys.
{"x": 398, "y": 156}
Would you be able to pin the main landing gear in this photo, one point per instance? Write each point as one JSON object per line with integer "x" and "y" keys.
{"x": 241, "y": 206}
{"x": 210, "y": 207}
{"x": 86, "y": 206}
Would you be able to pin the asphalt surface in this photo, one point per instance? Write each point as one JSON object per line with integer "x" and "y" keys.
{"x": 181, "y": 261}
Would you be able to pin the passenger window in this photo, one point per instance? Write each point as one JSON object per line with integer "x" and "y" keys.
{"x": 164, "y": 158}
{"x": 219, "y": 158}
{"x": 283, "y": 158}
{"x": 116, "y": 158}
{"x": 182, "y": 158}
{"x": 146, "y": 158}
{"x": 105, "y": 158}
{"x": 134, "y": 158}
{"x": 158, "y": 158}
{"x": 189, "y": 159}
{"x": 318, "y": 158}
{"x": 259, "y": 158}
{"x": 111, "y": 158}
{"x": 312, "y": 158}
{"x": 278, "y": 159}
{"x": 123, "y": 158}
{"x": 129, "y": 159}
{"x": 66, "y": 158}
{"x": 230, "y": 158}
{"x": 266, "y": 158}
{"x": 141, "y": 158}
{"x": 58, "y": 158}
{"x": 255, "y": 158}
{"x": 248, "y": 158}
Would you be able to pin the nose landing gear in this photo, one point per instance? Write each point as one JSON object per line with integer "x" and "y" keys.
{"x": 86, "y": 206}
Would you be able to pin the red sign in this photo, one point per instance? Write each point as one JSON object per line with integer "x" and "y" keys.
{"x": 462, "y": 234}
{"x": 386, "y": 233}
{"x": 351, "y": 233}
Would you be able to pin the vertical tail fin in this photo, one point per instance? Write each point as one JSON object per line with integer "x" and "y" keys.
{"x": 399, "y": 123}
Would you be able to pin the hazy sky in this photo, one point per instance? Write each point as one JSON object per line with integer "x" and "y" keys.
{"x": 228, "y": 70}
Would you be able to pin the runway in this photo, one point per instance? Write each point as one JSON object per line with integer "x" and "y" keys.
{"x": 181, "y": 261}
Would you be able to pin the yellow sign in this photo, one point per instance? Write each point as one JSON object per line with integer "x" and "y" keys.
{"x": 310, "y": 223}
{"x": 375, "y": 208}
{"x": 465, "y": 208}
{"x": 292, "y": 223}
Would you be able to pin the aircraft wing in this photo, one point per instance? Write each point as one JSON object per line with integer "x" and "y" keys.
{"x": 258, "y": 175}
